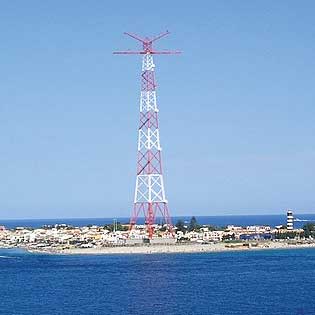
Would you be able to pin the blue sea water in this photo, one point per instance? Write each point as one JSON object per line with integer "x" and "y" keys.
{"x": 243, "y": 220}
{"x": 277, "y": 282}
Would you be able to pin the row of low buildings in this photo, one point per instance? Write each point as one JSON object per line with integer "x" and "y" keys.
{"x": 231, "y": 232}
{"x": 60, "y": 236}
{"x": 63, "y": 236}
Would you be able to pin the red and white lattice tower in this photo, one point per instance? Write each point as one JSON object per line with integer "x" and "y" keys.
{"x": 149, "y": 199}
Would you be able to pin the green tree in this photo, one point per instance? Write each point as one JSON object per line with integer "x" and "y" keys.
{"x": 117, "y": 226}
{"x": 193, "y": 225}
{"x": 180, "y": 225}
{"x": 309, "y": 229}
{"x": 287, "y": 234}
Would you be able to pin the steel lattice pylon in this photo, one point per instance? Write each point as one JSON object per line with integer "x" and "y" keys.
{"x": 149, "y": 196}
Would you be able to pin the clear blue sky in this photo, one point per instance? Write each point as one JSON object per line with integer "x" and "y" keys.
{"x": 236, "y": 108}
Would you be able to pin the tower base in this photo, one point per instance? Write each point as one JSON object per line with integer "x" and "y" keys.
{"x": 149, "y": 211}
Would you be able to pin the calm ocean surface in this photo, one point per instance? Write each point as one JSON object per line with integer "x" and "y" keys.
{"x": 244, "y": 283}
{"x": 242, "y": 220}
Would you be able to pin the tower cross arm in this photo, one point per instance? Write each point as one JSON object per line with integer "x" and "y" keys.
{"x": 134, "y": 36}
{"x": 142, "y": 52}
{"x": 166, "y": 52}
{"x": 146, "y": 40}
{"x": 128, "y": 52}
{"x": 147, "y": 46}
{"x": 159, "y": 36}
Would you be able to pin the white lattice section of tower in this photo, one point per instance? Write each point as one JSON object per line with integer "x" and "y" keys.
{"x": 148, "y": 139}
{"x": 150, "y": 188}
{"x": 147, "y": 62}
{"x": 148, "y": 101}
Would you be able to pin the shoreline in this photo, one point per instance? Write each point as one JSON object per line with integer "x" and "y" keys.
{"x": 171, "y": 249}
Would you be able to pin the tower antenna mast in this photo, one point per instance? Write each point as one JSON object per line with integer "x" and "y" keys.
{"x": 149, "y": 199}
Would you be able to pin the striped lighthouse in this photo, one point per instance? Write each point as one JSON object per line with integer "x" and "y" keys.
{"x": 289, "y": 220}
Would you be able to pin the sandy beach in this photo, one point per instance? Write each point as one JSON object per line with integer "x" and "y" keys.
{"x": 182, "y": 248}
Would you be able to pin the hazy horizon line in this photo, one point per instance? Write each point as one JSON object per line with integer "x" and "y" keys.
{"x": 127, "y": 217}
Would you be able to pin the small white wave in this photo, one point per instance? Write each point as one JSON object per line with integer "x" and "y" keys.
{"x": 6, "y": 257}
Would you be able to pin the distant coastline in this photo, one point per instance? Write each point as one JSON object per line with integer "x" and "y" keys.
{"x": 207, "y": 234}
